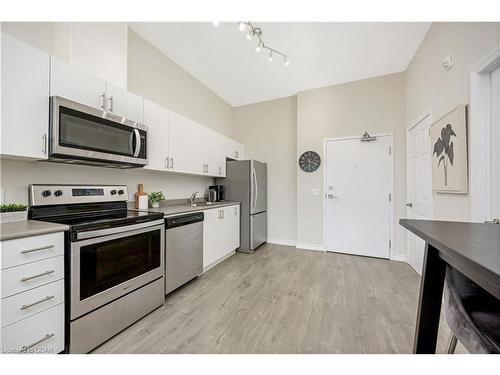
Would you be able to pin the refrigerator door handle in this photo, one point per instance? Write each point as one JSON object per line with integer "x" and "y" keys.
{"x": 256, "y": 186}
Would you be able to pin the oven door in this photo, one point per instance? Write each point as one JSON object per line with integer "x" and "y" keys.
{"x": 85, "y": 133}
{"x": 108, "y": 267}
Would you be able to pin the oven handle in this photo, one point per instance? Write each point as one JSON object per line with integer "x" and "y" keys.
{"x": 137, "y": 146}
{"x": 122, "y": 229}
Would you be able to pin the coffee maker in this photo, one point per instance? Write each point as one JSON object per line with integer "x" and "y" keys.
{"x": 218, "y": 191}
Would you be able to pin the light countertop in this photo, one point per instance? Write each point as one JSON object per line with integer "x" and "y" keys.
{"x": 27, "y": 228}
{"x": 183, "y": 208}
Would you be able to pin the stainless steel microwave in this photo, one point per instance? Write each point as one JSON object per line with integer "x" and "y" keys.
{"x": 80, "y": 134}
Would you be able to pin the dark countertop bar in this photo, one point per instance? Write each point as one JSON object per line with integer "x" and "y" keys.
{"x": 472, "y": 248}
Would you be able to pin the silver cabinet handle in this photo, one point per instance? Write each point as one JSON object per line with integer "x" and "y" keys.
{"x": 409, "y": 205}
{"x": 166, "y": 163}
{"x": 28, "y": 347}
{"x": 111, "y": 103}
{"x": 44, "y": 144}
{"x": 172, "y": 163}
{"x": 220, "y": 171}
{"x": 27, "y": 251}
{"x": 35, "y": 276}
{"x": 103, "y": 101}
{"x": 48, "y": 298}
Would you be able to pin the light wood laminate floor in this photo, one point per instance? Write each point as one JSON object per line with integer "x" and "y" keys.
{"x": 284, "y": 300}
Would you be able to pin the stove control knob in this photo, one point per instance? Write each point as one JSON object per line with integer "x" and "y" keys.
{"x": 46, "y": 193}
{"x": 120, "y": 192}
{"x": 113, "y": 192}
{"x": 58, "y": 193}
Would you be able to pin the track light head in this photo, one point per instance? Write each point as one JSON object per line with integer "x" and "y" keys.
{"x": 250, "y": 34}
{"x": 286, "y": 61}
{"x": 258, "y": 47}
{"x": 241, "y": 26}
{"x": 270, "y": 58}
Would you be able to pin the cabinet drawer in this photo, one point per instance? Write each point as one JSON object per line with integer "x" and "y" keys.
{"x": 28, "y": 276}
{"x": 31, "y": 249}
{"x": 34, "y": 301}
{"x": 42, "y": 333}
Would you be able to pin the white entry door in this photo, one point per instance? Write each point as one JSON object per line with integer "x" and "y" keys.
{"x": 358, "y": 185}
{"x": 419, "y": 189}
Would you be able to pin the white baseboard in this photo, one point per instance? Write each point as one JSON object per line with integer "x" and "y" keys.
{"x": 398, "y": 258}
{"x": 280, "y": 241}
{"x": 309, "y": 246}
{"x": 212, "y": 265}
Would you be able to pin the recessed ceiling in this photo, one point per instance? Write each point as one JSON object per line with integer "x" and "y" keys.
{"x": 321, "y": 54}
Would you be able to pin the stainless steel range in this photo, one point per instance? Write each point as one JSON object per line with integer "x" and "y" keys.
{"x": 114, "y": 259}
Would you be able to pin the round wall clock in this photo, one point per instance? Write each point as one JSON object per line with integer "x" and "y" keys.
{"x": 309, "y": 161}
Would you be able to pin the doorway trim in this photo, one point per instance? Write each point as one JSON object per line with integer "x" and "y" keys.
{"x": 479, "y": 136}
{"x": 391, "y": 184}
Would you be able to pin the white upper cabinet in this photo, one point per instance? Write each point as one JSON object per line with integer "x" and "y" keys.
{"x": 157, "y": 119}
{"x": 215, "y": 155}
{"x": 124, "y": 103}
{"x": 196, "y": 147}
{"x": 71, "y": 83}
{"x": 25, "y": 100}
{"x": 234, "y": 150}
{"x": 178, "y": 143}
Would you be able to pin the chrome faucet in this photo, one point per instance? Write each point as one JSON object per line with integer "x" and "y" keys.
{"x": 192, "y": 198}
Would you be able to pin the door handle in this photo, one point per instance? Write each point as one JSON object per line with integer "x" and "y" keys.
{"x": 137, "y": 146}
{"x": 254, "y": 176}
{"x": 409, "y": 204}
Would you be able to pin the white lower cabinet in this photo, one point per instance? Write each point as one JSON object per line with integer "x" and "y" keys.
{"x": 41, "y": 333}
{"x": 221, "y": 234}
{"x": 32, "y": 292}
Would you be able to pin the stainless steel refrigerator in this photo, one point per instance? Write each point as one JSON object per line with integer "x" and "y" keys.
{"x": 246, "y": 181}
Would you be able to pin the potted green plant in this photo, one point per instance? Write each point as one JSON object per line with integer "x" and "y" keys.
{"x": 155, "y": 198}
{"x": 13, "y": 212}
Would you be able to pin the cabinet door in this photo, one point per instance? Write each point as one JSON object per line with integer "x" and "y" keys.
{"x": 232, "y": 216}
{"x": 25, "y": 100}
{"x": 124, "y": 103}
{"x": 234, "y": 150}
{"x": 215, "y": 155}
{"x": 178, "y": 142}
{"x": 240, "y": 150}
{"x": 212, "y": 234}
{"x": 196, "y": 148}
{"x": 73, "y": 84}
{"x": 156, "y": 118}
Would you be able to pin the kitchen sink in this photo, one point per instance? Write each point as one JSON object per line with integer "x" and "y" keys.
{"x": 200, "y": 204}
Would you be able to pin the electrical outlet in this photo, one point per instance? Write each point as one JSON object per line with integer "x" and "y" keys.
{"x": 315, "y": 191}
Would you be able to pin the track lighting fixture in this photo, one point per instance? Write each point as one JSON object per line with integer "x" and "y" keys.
{"x": 256, "y": 32}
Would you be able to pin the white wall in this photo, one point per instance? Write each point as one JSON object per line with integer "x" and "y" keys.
{"x": 376, "y": 105}
{"x": 269, "y": 131}
{"x": 428, "y": 85}
{"x": 17, "y": 175}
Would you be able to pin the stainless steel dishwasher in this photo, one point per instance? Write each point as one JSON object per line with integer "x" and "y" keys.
{"x": 184, "y": 249}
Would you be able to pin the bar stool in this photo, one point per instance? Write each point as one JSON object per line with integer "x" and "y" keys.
{"x": 473, "y": 315}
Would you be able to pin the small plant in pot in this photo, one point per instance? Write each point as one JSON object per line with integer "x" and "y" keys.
{"x": 155, "y": 198}
{"x": 13, "y": 212}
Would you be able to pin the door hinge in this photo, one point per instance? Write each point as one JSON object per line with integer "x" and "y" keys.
{"x": 390, "y": 150}
{"x": 390, "y": 244}
{"x": 390, "y": 197}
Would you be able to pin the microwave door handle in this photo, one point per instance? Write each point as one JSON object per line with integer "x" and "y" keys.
{"x": 137, "y": 146}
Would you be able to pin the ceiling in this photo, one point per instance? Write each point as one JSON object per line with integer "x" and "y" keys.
{"x": 320, "y": 54}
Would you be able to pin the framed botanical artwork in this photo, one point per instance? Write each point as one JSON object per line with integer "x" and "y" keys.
{"x": 449, "y": 152}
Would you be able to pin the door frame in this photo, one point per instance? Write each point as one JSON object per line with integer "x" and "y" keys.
{"x": 391, "y": 184}
{"x": 412, "y": 125}
{"x": 479, "y": 136}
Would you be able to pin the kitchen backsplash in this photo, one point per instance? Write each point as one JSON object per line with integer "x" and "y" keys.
{"x": 17, "y": 175}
